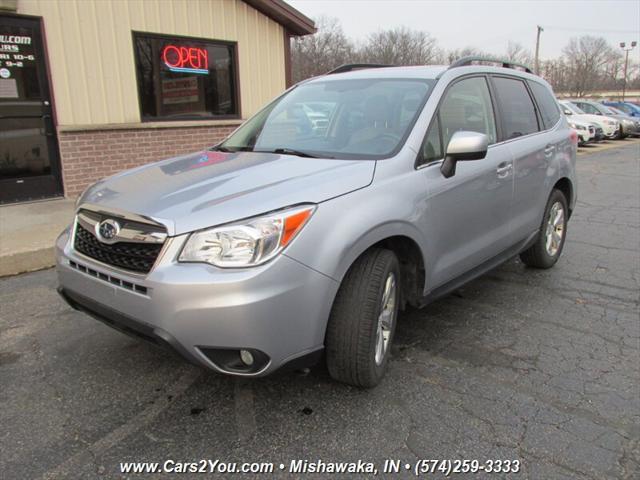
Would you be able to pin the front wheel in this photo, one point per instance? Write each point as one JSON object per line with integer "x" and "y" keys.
{"x": 544, "y": 253}
{"x": 363, "y": 320}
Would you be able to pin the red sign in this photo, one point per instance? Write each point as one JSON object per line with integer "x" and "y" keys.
{"x": 186, "y": 59}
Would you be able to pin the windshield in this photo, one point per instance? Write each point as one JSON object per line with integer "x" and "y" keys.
{"x": 606, "y": 110}
{"x": 358, "y": 118}
{"x": 631, "y": 107}
{"x": 615, "y": 110}
{"x": 573, "y": 108}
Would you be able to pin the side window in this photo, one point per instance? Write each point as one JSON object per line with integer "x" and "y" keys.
{"x": 432, "y": 147}
{"x": 516, "y": 108}
{"x": 547, "y": 104}
{"x": 467, "y": 106}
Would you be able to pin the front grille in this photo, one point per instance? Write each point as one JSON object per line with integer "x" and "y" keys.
{"x": 137, "y": 257}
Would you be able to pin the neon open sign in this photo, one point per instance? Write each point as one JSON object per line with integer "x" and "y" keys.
{"x": 186, "y": 59}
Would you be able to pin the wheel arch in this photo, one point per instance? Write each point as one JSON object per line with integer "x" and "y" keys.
{"x": 412, "y": 267}
{"x": 566, "y": 187}
{"x": 404, "y": 244}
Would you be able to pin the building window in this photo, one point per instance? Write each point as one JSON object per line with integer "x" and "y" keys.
{"x": 185, "y": 78}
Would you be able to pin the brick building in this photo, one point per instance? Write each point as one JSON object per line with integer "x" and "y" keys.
{"x": 92, "y": 87}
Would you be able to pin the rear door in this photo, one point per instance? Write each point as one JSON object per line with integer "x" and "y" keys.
{"x": 532, "y": 149}
{"x": 29, "y": 163}
{"x": 468, "y": 215}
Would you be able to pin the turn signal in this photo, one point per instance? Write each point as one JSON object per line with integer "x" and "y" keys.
{"x": 293, "y": 224}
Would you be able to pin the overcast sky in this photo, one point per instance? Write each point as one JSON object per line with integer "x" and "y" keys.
{"x": 488, "y": 25}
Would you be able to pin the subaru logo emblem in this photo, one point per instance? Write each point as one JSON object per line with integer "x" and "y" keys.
{"x": 107, "y": 230}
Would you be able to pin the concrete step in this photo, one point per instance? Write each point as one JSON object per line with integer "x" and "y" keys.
{"x": 28, "y": 232}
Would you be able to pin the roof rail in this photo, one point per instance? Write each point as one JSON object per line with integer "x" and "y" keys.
{"x": 466, "y": 61}
{"x": 349, "y": 67}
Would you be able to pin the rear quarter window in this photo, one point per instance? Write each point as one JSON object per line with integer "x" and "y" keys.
{"x": 546, "y": 103}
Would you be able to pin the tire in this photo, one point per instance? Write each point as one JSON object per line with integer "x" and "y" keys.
{"x": 541, "y": 254}
{"x": 352, "y": 341}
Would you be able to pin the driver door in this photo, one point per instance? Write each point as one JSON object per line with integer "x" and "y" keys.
{"x": 468, "y": 217}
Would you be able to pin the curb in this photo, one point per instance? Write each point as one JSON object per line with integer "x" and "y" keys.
{"x": 29, "y": 261}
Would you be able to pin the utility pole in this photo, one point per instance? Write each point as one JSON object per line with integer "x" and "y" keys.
{"x": 537, "y": 61}
{"x": 623, "y": 46}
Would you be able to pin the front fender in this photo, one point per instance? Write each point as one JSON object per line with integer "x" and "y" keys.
{"x": 344, "y": 227}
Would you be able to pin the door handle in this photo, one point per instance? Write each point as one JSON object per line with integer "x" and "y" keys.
{"x": 504, "y": 169}
{"x": 48, "y": 125}
{"x": 549, "y": 149}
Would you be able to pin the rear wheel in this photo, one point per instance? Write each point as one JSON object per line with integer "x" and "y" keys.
{"x": 363, "y": 320}
{"x": 544, "y": 253}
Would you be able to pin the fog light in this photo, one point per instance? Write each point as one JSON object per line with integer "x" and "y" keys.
{"x": 246, "y": 357}
{"x": 236, "y": 360}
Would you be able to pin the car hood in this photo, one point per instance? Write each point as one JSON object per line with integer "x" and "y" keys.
{"x": 587, "y": 117}
{"x": 581, "y": 123}
{"x": 210, "y": 188}
{"x": 627, "y": 118}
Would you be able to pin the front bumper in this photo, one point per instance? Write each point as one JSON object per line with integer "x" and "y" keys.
{"x": 279, "y": 310}
{"x": 584, "y": 136}
{"x": 611, "y": 131}
{"x": 631, "y": 129}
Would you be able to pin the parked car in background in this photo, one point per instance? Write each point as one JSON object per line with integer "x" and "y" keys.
{"x": 629, "y": 118}
{"x": 285, "y": 244}
{"x": 599, "y": 135}
{"x": 586, "y": 131}
{"x": 629, "y": 108}
{"x": 610, "y": 126}
{"x": 628, "y": 125}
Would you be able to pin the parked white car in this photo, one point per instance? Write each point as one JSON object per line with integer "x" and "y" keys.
{"x": 610, "y": 126}
{"x": 586, "y": 131}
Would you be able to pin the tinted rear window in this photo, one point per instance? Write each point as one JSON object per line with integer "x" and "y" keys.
{"x": 516, "y": 108}
{"x": 547, "y": 104}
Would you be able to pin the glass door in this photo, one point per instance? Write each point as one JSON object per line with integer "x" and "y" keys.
{"x": 29, "y": 159}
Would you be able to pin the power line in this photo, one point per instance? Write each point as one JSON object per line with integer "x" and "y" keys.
{"x": 593, "y": 30}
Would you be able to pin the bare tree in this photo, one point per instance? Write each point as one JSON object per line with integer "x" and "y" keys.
{"x": 586, "y": 57}
{"x": 613, "y": 71}
{"x": 556, "y": 73}
{"x": 401, "y": 46}
{"x": 517, "y": 53}
{"x": 317, "y": 54}
{"x": 453, "y": 55}
{"x": 587, "y": 64}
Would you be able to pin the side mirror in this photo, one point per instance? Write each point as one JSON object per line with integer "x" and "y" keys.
{"x": 464, "y": 146}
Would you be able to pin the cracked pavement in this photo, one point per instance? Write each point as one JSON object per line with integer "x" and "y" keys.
{"x": 541, "y": 366}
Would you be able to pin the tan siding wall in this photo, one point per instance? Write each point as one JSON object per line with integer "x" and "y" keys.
{"x": 91, "y": 51}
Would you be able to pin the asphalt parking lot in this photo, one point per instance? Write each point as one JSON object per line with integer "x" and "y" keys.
{"x": 540, "y": 366}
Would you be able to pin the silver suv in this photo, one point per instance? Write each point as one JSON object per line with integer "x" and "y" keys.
{"x": 301, "y": 238}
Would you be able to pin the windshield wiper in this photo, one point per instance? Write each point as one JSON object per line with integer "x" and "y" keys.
{"x": 282, "y": 151}
{"x": 291, "y": 151}
{"x": 220, "y": 148}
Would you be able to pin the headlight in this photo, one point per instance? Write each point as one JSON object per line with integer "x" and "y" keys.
{"x": 578, "y": 127}
{"x": 247, "y": 243}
